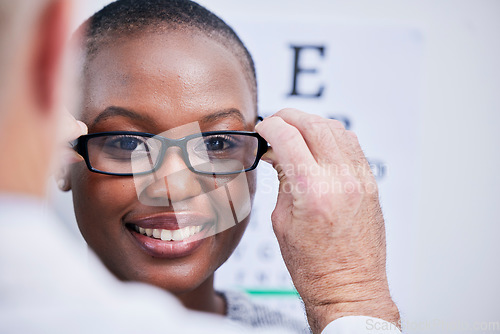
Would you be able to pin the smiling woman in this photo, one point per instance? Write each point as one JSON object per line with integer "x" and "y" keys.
{"x": 169, "y": 93}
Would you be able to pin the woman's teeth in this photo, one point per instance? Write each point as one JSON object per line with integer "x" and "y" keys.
{"x": 169, "y": 235}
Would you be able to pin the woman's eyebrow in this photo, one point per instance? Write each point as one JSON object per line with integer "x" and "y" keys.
{"x": 118, "y": 111}
{"x": 222, "y": 114}
{"x": 211, "y": 118}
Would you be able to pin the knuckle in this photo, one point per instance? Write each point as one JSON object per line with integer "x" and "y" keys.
{"x": 317, "y": 126}
{"x": 338, "y": 129}
{"x": 314, "y": 121}
{"x": 334, "y": 123}
{"x": 289, "y": 134}
{"x": 276, "y": 219}
{"x": 351, "y": 136}
{"x": 287, "y": 111}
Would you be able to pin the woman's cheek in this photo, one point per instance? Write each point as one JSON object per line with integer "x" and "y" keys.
{"x": 230, "y": 198}
{"x": 111, "y": 192}
{"x": 100, "y": 198}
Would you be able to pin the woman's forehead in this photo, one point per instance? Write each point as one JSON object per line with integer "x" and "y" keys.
{"x": 175, "y": 71}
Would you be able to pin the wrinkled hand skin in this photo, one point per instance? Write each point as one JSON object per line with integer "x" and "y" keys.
{"x": 328, "y": 220}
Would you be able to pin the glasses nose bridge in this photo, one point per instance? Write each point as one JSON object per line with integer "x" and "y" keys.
{"x": 170, "y": 143}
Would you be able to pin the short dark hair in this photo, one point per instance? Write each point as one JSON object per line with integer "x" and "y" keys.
{"x": 125, "y": 17}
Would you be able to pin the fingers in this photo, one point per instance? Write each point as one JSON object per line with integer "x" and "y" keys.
{"x": 288, "y": 146}
{"x": 302, "y": 140}
{"x": 70, "y": 128}
{"x": 318, "y": 133}
{"x": 330, "y": 142}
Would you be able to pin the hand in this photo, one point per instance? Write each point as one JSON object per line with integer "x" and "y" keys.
{"x": 70, "y": 129}
{"x": 327, "y": 219}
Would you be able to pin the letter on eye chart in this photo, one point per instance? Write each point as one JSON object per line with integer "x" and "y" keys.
{"x": 226, "y": 197}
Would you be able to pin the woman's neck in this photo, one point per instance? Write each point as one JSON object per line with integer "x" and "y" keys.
{"x": 204, "y": 298}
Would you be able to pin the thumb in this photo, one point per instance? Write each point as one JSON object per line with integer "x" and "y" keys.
{"x": 70, "y": 128}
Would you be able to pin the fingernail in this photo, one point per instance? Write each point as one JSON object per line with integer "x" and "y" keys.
{"x": 83, "y": 127}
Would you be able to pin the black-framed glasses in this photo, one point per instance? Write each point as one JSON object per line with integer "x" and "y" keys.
{"x": 126, "y": 153}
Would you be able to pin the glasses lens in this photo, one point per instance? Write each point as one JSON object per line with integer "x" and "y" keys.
{"x": 123, "y": 154}
{"x": 222, "y": 153}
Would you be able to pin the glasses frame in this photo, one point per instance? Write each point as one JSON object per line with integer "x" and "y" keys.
{"x": 81, "y": 147}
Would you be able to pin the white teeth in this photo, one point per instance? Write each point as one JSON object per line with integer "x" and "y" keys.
{"x": 186, "y": 232}
{"x": 167, "y": 235}
{"x": 157, "y": 233}
{"x": 177, "y": 235}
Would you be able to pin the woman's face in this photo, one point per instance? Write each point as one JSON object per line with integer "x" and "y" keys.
{"x": 173, "y": 84}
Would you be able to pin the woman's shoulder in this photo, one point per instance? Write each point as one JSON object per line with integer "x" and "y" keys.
{"x": 242, "y": 309}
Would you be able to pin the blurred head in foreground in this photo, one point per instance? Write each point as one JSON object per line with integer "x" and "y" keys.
{"x": 33, "y": 84}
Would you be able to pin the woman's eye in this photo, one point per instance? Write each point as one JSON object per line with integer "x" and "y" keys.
{"x": 126, "y": 143}
{"x": 129, "y": 144}
{"x": 217, "y": 144}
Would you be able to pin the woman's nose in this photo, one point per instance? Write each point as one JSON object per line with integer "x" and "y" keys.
{"x": 173, "y": 181}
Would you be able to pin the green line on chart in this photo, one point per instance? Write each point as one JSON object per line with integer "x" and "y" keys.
{"x": 275, "y": 293}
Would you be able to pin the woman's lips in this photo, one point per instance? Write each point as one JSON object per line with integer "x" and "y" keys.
{"x": 170, "y": 235}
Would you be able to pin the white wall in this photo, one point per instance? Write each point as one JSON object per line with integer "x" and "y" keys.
{"x": 456, "y": 272}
